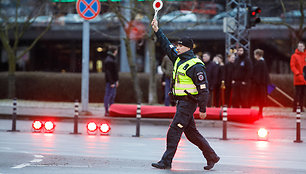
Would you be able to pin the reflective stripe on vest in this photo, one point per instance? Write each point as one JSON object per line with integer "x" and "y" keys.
{"x": 182, "y": 81}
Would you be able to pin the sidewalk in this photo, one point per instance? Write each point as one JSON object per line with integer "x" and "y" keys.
{"x": 275, "y": 118}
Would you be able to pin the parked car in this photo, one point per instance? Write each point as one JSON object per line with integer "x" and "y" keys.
{"x": 293, "y": 16}
{"x": 70, "y": 18}
{"x": 218, "y": 19}
{"x": 179, "y": 16}
{"x": 109, "y": 17}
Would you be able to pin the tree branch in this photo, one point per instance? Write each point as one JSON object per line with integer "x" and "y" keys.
{"x": 36, "y": 39}
{"x": 281, "y": 23}
{"x": 302, "y": 15}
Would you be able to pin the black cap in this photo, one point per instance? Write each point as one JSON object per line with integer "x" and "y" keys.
{"x": 187, "y": 42}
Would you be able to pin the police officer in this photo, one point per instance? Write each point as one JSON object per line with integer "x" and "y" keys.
{"x": 189, "y": 89}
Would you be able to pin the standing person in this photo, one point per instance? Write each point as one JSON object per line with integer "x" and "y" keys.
{"x": 167, "y": 68}
{"x": 298, "y": 67}
{"x": 111, "y": 77}
{"x": 189, "y": 89}
{"x": 218, "y": 59}
{"x": 260, "y": 80}
{"x": 228, "y": 73}
{"x": 241, "y": 77}
{"x": 211, "y": 72}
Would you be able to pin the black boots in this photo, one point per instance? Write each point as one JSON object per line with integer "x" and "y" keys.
{"x": 161, "y": 165}
{"x": 210, "y": 164}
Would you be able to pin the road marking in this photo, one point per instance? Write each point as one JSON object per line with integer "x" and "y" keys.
{"x": 37, "y": 159}
{"x": 38, "y": 156}
{"x": 21, "y": 166}
{"x": 61, "y": 165}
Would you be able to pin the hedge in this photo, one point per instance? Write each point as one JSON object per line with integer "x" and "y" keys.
{"x": 47, "y": 86}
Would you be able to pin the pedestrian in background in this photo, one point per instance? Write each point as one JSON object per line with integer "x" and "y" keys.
{"x": 211, "y": 72}
{"x": 228, "y": 73}
{"x": 241, "y": 78}
{"x": 260, "y": 81}
{"x": 190, "y": 90}
{"x": 218, "y": 59}
{"x": 111, "y": 77}
{"x": 298, "y": 67}
{"x": 167, "y": 69}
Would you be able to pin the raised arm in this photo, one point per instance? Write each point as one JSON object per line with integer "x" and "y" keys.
{"x": 166, "y": 45}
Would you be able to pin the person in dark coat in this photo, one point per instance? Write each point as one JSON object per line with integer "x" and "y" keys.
{"x": 228, "y": 73}
{"x": 190, "y": 91}
{"x": 111, "y": 77}
{"x": 212, "y": 73}
{"x": 218, "y": 100}
{"x": 241, "y": 78}
{"x": 298, "y": 67}
{"x": 260, "y": 80}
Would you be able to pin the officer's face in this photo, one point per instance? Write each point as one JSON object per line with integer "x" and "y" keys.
{"x": 181, "y": 49}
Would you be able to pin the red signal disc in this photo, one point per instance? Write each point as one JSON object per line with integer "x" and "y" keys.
{"x": 92, "y": 126}
{"x": 37, "y": 125}
{"x": 262, "y": 132}
{"x": 49, "y": 125}
{"x": 104, "y": 128}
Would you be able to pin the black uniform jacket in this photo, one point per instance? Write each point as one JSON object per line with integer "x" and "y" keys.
{"x": 196, "y": 72}
{"x": 111, "y": 70}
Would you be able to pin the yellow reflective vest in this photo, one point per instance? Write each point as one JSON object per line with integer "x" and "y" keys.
{"x": 181, "y": 80}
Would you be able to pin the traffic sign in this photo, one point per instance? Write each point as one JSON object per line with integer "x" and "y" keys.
{"x": 88, "y": 9}
{"x": 157, "y": 5}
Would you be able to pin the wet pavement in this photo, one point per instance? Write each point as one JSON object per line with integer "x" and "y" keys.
{"x": 119, "y": 152}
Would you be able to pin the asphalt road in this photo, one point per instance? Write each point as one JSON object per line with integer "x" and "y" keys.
{"x": 61, "y": 152}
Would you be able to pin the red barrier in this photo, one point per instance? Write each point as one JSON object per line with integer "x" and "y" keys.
{"x": 243, "y": 115}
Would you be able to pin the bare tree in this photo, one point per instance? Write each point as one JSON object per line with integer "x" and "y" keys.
{"x": 13, "y": 27}
{"x": 296, "y": 32}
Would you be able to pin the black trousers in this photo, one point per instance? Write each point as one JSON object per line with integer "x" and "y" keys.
{"x": 240, "y": 95}
{"x": 228, "y": 96}
{"x": 183, "y": 121}
{"x": 258, "y": 95}
{"x": 299, "y": 96}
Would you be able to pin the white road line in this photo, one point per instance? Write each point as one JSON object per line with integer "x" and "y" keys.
{"x": 21, "y": 166}
{"x": 37, "y": 159}
{"x": 38, "y": 156}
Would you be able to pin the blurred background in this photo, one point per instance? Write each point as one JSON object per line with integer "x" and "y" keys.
{"x": 45, "y": 36}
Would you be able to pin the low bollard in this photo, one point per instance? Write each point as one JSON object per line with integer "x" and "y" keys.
{"x": 14, "y": 116}
{"x": 76, "y": 117}
{"x": 138, "y": 117}
{"x": 224, "y": 118}
{"x": 298, "y": 125}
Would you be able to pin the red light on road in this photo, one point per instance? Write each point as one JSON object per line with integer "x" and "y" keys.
{"x": 37, "y": 125}
{"x": 104, "y": 128}
{"x": 253, "y": 13}
{"x": 262, "y": 133}
{"x": 49, "y": 126}
{"x": 92, "y": 127}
